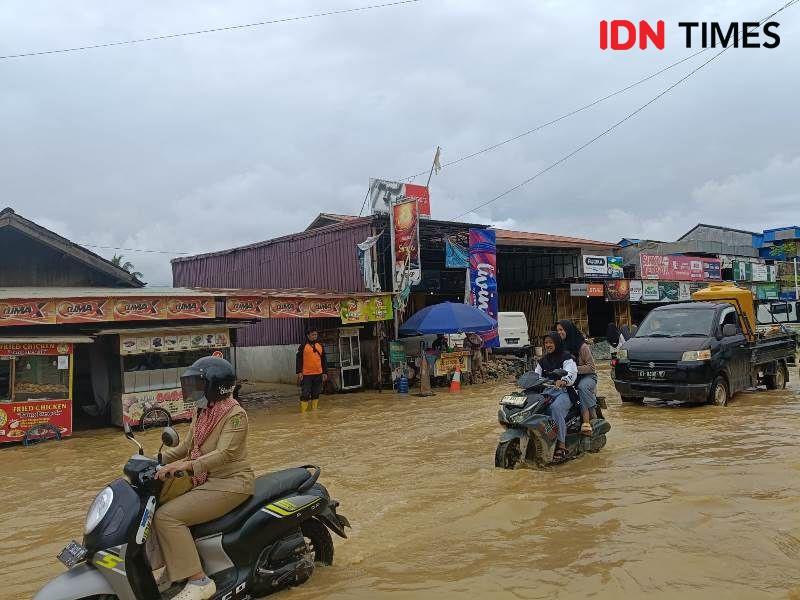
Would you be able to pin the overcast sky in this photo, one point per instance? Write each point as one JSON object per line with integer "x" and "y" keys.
{"x": 206, "y": 142}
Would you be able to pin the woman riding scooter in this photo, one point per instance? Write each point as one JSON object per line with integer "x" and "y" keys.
{"x": 215, "y": 452}
{"x": 586, "y": 385}
{"x": 557, "y": 358}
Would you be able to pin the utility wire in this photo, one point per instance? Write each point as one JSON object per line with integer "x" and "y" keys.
{"x": 212, "y": 30}
{"x": 615, "y": 125}
{"x": 132, "y": 249}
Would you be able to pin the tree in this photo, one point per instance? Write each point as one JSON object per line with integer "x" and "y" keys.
{"x": 117, "y": 261}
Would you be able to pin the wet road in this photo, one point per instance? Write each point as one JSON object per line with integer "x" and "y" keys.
{"x": 682, "y": 503}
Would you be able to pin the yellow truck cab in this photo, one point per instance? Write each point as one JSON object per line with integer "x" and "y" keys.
{"x": 703, "y": 351}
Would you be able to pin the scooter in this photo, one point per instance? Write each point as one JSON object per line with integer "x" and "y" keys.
{"x": 270, "y": 542}
{"x": 531, "y": 434}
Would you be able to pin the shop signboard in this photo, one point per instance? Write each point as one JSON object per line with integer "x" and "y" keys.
{"x": 615, "y": 270}
{"x": 668, "y": 291}
{"x": 172, "y": 342}
{"x": 483, "y": 278}
{"x": 84, "y": 310}
{"x": 405, "y": 243}
{"x": 397, "y": 353}
{"x": 27, "y": 312}
{"x": 677, "y": 267}
{"x": 650, "y": 292}
{"x": 18, "y": 417}
{"x": 684, "y": 292}
{"x": 246, "y": 307}
{"x": 383, "y": 195}
{"x": 40, "y": 349}
{"x": 760, "y": 272}
{"x": 740, "y": 270}
{"x": 362, "y": 310}
{"x": 135, "y": 404}
{"x": 448, "y": 362}
{"x": 636, "y": 290}
{"x": 595, "y": 290}
{"x": 323, "y": 308}
{"x": 595, "y": 266}
{"x": 190, "y": 308}
{"x": 281, "y": 308}
{"x": 769, "y": 291}
{"x": 618, "y": 290}
{"x": 578, "y": 290}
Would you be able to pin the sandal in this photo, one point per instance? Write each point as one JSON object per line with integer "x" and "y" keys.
{"x": 560, "y": 455}
{"x": 586, "y": 429}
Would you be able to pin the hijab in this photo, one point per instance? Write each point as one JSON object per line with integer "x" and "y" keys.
{"x": 555, "y": 359}
{"x": 574, "y": 339}
{"x": 612, "y": 334}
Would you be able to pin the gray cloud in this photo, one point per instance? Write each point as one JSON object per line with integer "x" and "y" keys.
{"x": 207, "y": 142}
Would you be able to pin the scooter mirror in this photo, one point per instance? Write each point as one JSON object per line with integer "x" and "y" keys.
{"x": 170, "y": 437}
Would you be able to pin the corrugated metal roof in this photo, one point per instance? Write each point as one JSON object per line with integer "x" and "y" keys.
{"x": 292, "y": 293}
{"x": 505, "y": 236}
{"x": 68, "y": 292}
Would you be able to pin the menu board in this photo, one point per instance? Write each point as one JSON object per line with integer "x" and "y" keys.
{"x": 173, "y": 342}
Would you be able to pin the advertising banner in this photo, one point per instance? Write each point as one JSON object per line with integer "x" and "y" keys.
{"x": 740, "y": 270}
{"x": 383, "y": 195}
{"x": 323, "y": 308}
{"x": 636, "y": 290}
{"x": 680, "y": 268}
{"x": 684, "y": 292}
{"x": 190, "y": 308}
{"x": 595, "y": 290}
{"x": 760, "y": 272}
{"x": 84, "y": 310}
{"x": 45, "y": 349}
{"x": 615, "y": 269}
{"x": 134, "y": 405}
{"x": 17, "y": 417}
{"x": 668, "y": 291}
{"x": 282, "y": 308}
{"x": 363, "y": 310}
{"x": 650, "y": 292}
{"x": 405, "y": 242}
{"x": 240, "y": 307}
{"x": 27, "y": 312}
{"x": 618, "y": 291}
{"x": 455, "y": 256}
{"x": 483, "y": 278}
{"x": 769, "y": 291}
{"x": 578, "y": 289}
{"x": 595, "y": 266}
{"x": 142, "y": 344}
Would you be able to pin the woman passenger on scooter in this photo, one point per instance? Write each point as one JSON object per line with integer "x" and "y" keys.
{"x": 586, "y": 386}
{"x": 556, "y": 357}
{"x": 215, "y": 453}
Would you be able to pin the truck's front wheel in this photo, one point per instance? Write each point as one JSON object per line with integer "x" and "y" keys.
{"x": 719, "y": 392}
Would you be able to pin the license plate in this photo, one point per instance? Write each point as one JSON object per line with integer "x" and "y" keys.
{"x": 512, "y": 341}
{"x": 653, "y": 374}
{"x": 513, "y": 400}
{"x": 72, "y": 554}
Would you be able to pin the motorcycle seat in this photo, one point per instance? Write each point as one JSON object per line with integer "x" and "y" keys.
{"x": 267, "y": 487}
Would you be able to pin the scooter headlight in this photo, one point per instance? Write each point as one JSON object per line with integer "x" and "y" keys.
{"x": 99, "y": 508}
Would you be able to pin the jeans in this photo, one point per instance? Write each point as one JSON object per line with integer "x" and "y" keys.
{"x": 559, "y": 410}
{"x": 587, "y": 390}
{"x": 310, "y": 387}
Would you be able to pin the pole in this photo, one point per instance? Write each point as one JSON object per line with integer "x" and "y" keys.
{"x": 796, "y": 295}
{"x": 433, "y": 166}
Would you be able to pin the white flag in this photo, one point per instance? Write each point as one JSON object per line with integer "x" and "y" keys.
{"x": 437, "y": 165}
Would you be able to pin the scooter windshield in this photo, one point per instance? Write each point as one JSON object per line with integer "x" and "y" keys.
{"x": 193, "y": 387}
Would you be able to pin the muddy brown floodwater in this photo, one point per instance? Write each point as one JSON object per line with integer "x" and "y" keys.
{"x": 682, "y": 503}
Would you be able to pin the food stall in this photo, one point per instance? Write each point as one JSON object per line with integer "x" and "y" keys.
{"x": 36, "y": 387}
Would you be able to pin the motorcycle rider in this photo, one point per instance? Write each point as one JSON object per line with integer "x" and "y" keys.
{"x": 215, "y": 453}
{"x": 575, "y": 344}
{"x": 556, "y": 357}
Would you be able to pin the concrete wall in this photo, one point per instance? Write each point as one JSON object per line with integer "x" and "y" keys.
{"x": 269, "y": 364}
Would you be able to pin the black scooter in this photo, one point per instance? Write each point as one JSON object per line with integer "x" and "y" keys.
{"x": 531, "y": 434}
{"x": 269, "y": 543}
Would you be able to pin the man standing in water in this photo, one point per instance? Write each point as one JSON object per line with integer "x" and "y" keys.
{"x": 312, "y": 370}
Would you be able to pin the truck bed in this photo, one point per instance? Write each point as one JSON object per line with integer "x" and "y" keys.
{"x": 775, "y": 347}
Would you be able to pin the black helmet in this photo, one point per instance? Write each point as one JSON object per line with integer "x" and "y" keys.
{"x": 208, "y": 380}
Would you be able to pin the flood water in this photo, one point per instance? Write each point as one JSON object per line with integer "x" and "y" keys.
{"x": 682, "y": 503}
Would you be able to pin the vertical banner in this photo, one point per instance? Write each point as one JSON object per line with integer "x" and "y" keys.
{"x": 636, "y": 290}
{"x": 385, "y": 194}
{"x": 483, "y": 278}
{"x": 405, "y": 243}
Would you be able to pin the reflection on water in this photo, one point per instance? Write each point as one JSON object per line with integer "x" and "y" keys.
{"x": 688, "y": 502}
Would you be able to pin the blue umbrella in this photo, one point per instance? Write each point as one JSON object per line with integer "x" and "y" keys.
{"x": 448, "y": 317}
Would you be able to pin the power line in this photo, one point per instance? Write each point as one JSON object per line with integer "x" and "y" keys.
{"x": 564, "y": 116}
{"x": 132, "y": 249}
{"x": 615, "y": 125}
{"x": 212, "y": 30}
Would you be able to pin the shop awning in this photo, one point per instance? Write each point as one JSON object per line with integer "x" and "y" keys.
{"x": 159, "y": 329}
{"x": 48, "y": 339}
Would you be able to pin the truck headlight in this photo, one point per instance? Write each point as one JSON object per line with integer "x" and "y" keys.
{"x": 99, "y": 508}
{"x": 696, "y": 355}
{"x": 622, "y": 354}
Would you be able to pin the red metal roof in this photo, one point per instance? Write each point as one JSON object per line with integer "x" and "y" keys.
{"x": 529, "y": 238}
{"x": 292, "y": 293}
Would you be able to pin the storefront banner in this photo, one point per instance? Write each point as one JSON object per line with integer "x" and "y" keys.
{"x": 363, "y": 310}
{"x": 615, "y": 270}
{"x": 138, "y": 309}
{"x": 595, "y": 266}
{"x": 650, "y": 291}
{"x": 618, "y": 290}
{"x": 280, "y": 308}
{"x": 27, "y": 312}
{"x": 669, "y": 291}
{"x": 740, "y": 268}
{"x": 84, "y": 310}
{"x": 595, "y": 290}
{"x": 677, "y": 267}
{"x": 397, "y": 353}
{"x": 323, "y": 308}
{"x": 578, "y": 290}
{"x": 405, "y": 242}
{"x": 143, "y": 344}
{"x": 383, "y": 195}
{"x": 760, "y": 272}
{"x": 191, "y": 308}
{"x": 35, "y": 349}
{"x": 636, "y": 290}
{"x": 18, "y": 417}
{"x": 770, "y": 291}
{"x": 240, "y": 307}
{"x": 684, "y": 292}
{"x": 483, "y": 278}
{"x": 134, "y": 405}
